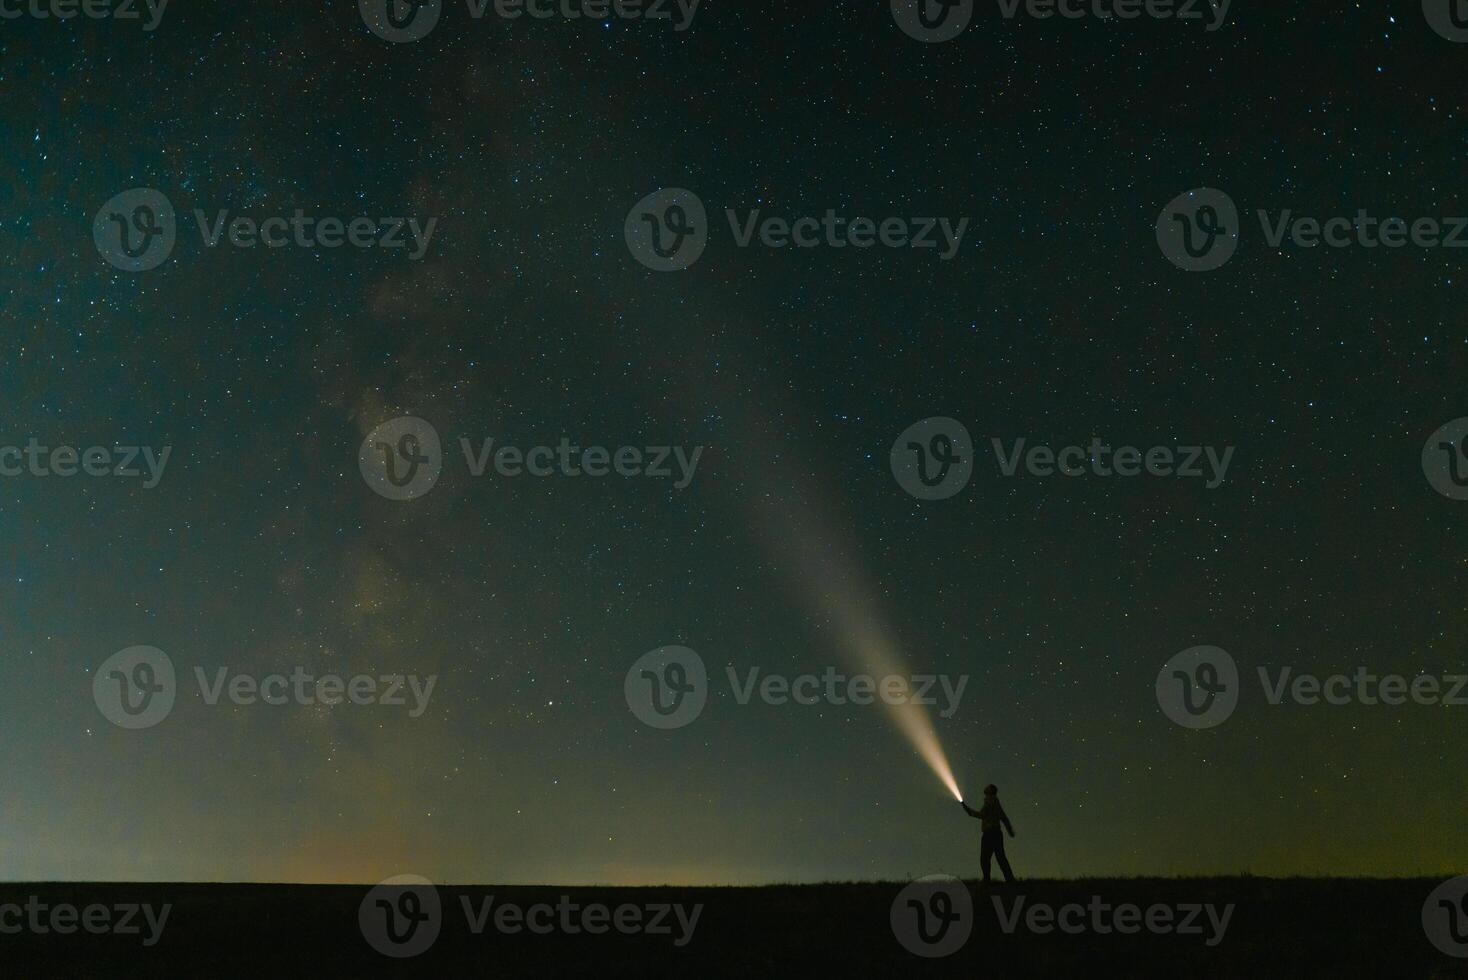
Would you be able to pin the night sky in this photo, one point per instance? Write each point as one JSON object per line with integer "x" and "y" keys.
{"x": 528, "y": 320}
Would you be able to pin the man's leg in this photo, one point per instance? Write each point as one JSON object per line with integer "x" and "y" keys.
{"x": 1003, "y": 858}
{"x": 986, "y": 854}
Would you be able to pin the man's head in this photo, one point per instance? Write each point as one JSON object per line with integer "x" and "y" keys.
{"x": 991, "y": 790}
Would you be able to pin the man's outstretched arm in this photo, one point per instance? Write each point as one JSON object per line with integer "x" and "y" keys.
{"x": 968, "y": 809}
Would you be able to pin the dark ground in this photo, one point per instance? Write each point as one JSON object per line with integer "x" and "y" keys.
{"x": 1280, "y": 928}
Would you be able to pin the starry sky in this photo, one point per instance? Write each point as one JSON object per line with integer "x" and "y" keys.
{"x": 528, "y": 320}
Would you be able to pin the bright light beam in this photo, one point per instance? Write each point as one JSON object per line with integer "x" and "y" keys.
{"x": 834, "y": 587}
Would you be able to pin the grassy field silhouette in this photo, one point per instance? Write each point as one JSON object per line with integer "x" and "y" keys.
{"x": 1277, "y": 928}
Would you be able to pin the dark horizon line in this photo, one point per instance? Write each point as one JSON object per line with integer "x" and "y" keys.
{"x": 1419, "y": 876}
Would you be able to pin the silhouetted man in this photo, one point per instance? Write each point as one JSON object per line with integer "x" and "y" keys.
{"x": 990, "y": 816}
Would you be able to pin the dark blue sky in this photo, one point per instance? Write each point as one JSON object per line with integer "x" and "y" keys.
{"x": 527, "y": 320}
